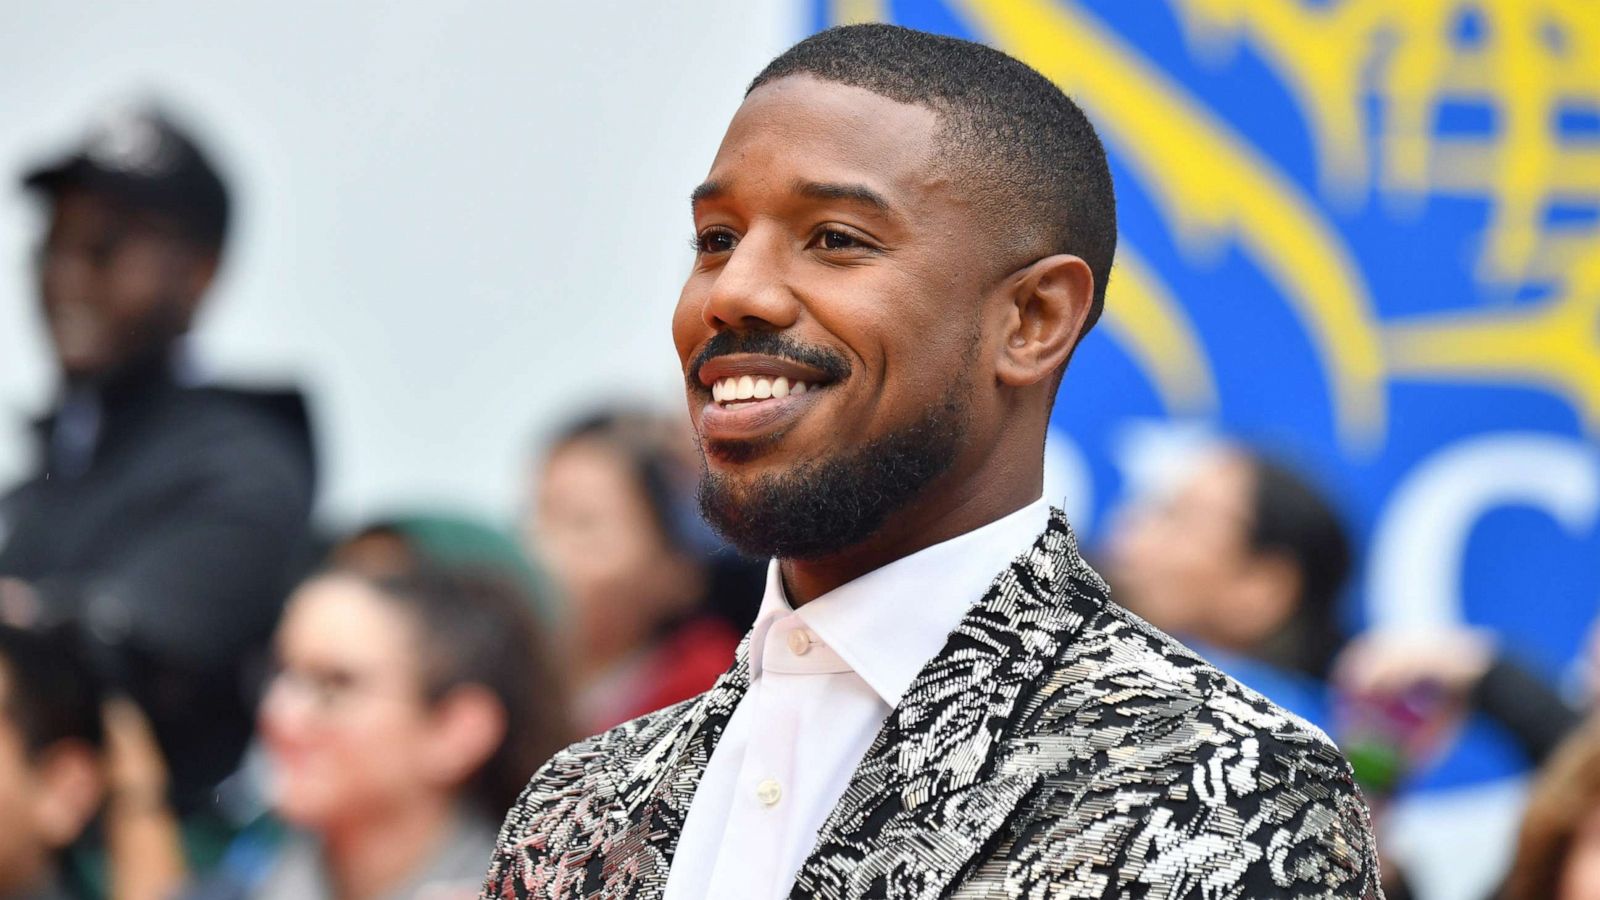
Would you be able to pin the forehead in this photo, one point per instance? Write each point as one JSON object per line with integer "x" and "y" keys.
{"x": 801, "y": 129}
{"x": 341, "y": 619}
{"x": 77, "y": 207}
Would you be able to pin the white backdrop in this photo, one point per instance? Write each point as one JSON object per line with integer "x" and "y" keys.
{"x": 457, "y": 221}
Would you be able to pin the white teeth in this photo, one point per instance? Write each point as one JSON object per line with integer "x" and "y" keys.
{"x": 750, "y": 387}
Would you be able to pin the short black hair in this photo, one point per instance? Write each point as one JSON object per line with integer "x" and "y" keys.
{"x": 1292, "y": 517}
{"x": 1019, "y": 129}
{"x": 52, "y": 692}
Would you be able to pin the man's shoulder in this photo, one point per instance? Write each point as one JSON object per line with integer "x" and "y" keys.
{"x": 568, "y": 801}
{"x": 271, "y": 418}
{"x": 1161, "y": 756}
{"x": 592, "y": 765}
{"x": 1122, "y": 661}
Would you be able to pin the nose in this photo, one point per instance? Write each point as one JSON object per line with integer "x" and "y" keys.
{"x": 286, "y": 707}
{"x": 752, "y": 291}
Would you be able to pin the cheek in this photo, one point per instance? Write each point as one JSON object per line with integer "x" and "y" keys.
{"x": 1580, "y": 876}
{"x": 363, "y": 758}
{"x": 688, "y": 325}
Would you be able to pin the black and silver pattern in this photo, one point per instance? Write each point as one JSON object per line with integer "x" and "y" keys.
{"x": 1057, "y": 747}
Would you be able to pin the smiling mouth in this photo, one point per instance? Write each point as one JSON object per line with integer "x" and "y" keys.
{"x": 738, "y": 392}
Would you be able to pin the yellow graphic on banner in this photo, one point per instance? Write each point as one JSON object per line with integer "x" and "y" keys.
{"x": 1211, "y": 184}
{"x": 1150, "y": 324}
{"x": 1528, "y": 61}
{"x": 1524, "y": 63}
{"x": 1555, "y": 345}
{"x": 856, "y": 12}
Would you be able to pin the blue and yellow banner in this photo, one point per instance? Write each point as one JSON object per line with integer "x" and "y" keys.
{"x": 1364, "y": 234}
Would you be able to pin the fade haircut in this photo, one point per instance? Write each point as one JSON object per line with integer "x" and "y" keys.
{"x": 1008, "y": 124}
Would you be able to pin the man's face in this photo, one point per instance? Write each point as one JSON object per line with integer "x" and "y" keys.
{"x": 114, "y": 283}
{"x": 834, "y": 251}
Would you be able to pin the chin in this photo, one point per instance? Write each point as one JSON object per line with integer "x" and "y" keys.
{"x": 301, "y": 811}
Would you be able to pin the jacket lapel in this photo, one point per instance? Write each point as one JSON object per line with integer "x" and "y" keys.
{"x": 654, "y": 790}
{"x": 944, "y": 773}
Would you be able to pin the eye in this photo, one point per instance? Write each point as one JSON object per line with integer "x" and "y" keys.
{"x": 834, "y": 239}
{"x": 715, "y": 240}
{"x": 845, "y": 241}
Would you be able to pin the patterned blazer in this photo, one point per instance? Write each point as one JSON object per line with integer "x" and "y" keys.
{"x": 1056, "y": 747}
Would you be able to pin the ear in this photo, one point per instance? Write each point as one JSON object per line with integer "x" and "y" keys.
{"x": 1049, "y": 304}
{"x": 468, "y": 725}
{"x": 199, "y": 271}
{"x": 1268, "y": 589}
{"x": 72, "y": 786}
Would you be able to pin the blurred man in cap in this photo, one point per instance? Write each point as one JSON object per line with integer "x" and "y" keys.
{"x": 166, "y": 517}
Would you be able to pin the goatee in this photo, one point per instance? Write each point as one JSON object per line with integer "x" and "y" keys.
{"x": 820, "y": 507}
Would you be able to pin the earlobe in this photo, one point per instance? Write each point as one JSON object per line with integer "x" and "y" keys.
{"x": 470, "y": 723}
{"x": 1049, "y": 305}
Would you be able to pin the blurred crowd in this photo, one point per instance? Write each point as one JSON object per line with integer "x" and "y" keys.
{"x": 202, "y": 695}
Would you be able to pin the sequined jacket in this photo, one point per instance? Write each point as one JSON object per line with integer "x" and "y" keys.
{"x": 1057, "y": 747}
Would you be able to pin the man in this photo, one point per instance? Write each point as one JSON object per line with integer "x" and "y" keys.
{"x": 165, "y": 517}
{"x": 52, "y": 778}
{"x": 900, "y": 242}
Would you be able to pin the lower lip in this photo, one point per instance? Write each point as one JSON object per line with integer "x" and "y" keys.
{"x": 758, "y": 419}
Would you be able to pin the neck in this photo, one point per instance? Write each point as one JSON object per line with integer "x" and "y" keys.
{"x": 373, "y": 855}
{"x": 149, "y": 366}
{"x": 954, "y": 504}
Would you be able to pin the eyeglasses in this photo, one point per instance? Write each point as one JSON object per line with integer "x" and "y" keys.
{"x": 328, "y": 690}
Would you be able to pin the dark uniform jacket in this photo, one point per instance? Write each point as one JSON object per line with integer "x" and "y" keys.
{"x": 1056, "y": 747}
{"x": 172, "y": 539}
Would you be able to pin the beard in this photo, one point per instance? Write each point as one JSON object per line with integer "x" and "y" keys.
{"x": 820, "y": 507}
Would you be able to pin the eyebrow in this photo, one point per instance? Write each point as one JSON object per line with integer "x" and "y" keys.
{"x": 850, "y": 193}
{"x": 815, "y": 190}
{"x": 706, "y": 191}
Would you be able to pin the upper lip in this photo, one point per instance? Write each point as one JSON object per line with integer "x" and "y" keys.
{"x": 755, "y": 365}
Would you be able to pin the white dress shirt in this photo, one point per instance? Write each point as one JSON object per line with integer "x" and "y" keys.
{"x": 822, "y": 680}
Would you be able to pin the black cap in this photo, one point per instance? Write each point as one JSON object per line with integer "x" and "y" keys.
{"x": 140, "y": 158}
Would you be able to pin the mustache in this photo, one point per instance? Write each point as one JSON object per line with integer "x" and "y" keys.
{"x": 770, "y": 343}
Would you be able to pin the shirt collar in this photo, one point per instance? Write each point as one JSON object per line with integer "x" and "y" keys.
{"x": 888, "y": 623}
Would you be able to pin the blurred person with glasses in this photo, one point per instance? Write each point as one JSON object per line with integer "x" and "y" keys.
{"x": 404, "y": 714}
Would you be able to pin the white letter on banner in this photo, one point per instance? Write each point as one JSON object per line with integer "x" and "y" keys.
{"x": 1414, "y": 577}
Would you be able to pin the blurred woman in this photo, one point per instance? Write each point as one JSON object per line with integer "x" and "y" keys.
{"x": 1558, "y": 849}
{"x": 1244, "y": 560}
{"x": 615, "y": 527}
{"x": 404, "y": 717}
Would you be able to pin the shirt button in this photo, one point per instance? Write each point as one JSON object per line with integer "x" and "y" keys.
{"x": 769, "y": 792}
{"x": 800, "y": 642}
